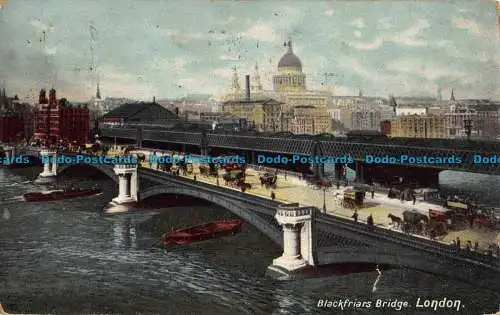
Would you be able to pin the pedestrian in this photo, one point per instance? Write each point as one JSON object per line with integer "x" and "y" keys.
{"x": 458, "y": 243}
{"x": 369, "y": 220}
{"x": 468, "y": 246}
{"x": 273, "y": 196}
{"x": 373, "y": 193}
{"x": 218, "y": 181}
{"x": 355, "y": 216}
{"x": 338, "y": 185}
{"x": 414, "y": 198}
{"x": 194, "y": 177}
{"x": 476, "y": 246}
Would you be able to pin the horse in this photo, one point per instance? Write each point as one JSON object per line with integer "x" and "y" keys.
{"x": 396, "y": 221}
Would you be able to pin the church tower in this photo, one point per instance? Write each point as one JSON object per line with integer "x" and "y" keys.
{"x": 256, "y": 85}
{"x": 235, "y": 86}
{"x": 98, "y": 103}
{"x": 453, "y": 102}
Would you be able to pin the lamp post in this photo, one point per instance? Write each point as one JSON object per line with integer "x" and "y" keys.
{"x": 468, "y": 127}
{"x": 324, "y": 184}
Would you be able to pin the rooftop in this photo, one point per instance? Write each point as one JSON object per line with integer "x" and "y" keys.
{"x": 130, "y": 110}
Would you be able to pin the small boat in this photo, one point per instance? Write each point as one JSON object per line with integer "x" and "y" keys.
{"x": 202, "y": 232}
{"x": 61, "y": 194}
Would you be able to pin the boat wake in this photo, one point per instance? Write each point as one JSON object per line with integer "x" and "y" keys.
{"x": 12, "y": 200}
{"x": 374, "y": 288}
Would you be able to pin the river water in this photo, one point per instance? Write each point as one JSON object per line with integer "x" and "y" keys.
{"x": 67, "y": 258}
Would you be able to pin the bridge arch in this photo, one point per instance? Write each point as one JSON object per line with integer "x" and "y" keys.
{"x": 236, "y": 207}
{"x": 407, "y": 258}
{"x": 105, "y": 169}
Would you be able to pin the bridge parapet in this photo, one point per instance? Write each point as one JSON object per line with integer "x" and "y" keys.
{"x": 419, "y": 243}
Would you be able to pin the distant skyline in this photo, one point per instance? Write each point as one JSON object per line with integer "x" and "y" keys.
{"x": 167, "y": 49}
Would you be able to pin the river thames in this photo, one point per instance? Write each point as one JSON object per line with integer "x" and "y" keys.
{"x": 68, "y": 258}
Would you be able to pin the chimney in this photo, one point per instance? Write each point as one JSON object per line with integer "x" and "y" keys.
{"x": 154, "y": 100}
{"x": 247, "y": 87}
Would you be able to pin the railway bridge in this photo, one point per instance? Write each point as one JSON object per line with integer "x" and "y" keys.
{"x": 309, "y": 238}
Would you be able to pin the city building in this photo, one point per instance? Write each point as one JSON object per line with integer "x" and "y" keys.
{"x": 289, "y": 89}
{"x": 57, "y": 121}
{"x": 482, "y": 115}
{"x": 16, "y": 119}
{"x": 419, "y": 126}
{"x": 140, "y": 113}
{"x": 405, "y": 111}
{"x": 264, "y": 115}
{"x": 385, "y": 127}
{"x": 191, "y": 103}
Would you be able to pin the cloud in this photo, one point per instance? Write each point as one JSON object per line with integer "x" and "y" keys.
{"x": 228, "y": 58}
{"x": 411, "y": 36}
{"x": 384, "y": 23}
{"x": 470, "y": 25}
{"x": 426, "y": 70}
{"x": 408, "y": 37}
{"x": 180, "y": 37}
{"x": 115, "y": 81}
{"x": 359, "y": 23}
{"x": 375, "y": 44}
{"x": 449, "y": 48}
{"x": 260, "y": 31}
{"x": 50, "y": 50}
{"x": 42, "y": 27}
{"x": 329, "y": 13}
{"x": 229, "y": 20}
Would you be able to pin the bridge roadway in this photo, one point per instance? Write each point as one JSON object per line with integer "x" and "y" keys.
{"x": 337, "y": 239}
{"x": 291, "y": 189}
{"x": 323, "y": 145}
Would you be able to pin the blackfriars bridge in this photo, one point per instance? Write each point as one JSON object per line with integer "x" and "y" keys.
{"x": 308, "y": 237}
{"x": 319, "y": 145}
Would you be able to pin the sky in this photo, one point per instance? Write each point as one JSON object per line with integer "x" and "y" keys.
{"x": 145, "y": 48}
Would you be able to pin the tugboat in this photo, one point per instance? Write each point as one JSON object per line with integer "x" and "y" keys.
{"x": 202, "y": 232}
{"x": 68, "y": 193}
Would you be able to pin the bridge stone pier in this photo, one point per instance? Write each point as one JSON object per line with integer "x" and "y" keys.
{"x": 9, "y": 151}
{"x": 127, "y": 184}
{"x": 299, "y": 239}
{"x": 49, "y": 173}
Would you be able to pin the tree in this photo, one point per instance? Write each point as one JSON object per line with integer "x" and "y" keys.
{"x": 63, "y": 102}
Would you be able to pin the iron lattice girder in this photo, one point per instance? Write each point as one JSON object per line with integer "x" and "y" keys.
{"x": 310, "y": 145}
{"x": 192, "y": 138}
{"x": 266, "y": 144}
{"x": 359, "y": 151}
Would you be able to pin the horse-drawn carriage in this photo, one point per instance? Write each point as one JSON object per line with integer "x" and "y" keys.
{"x": 165, "y": 163}
{"x": 353, "y": 198}
{"x": 268, "y": 180}
{"x": 440, "y": 220}
{"x": 236, "y": 178}
{"x": 183, "y": 166}
{"x": 209, "y": 170}
{"x": 414, "y": 222}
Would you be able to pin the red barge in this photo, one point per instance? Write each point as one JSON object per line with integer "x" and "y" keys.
{"x": 202, "y": 232}
{"x": 54, "y": 195}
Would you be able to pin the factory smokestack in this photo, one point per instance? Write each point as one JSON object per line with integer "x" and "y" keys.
{"x": 247, "y": 87}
